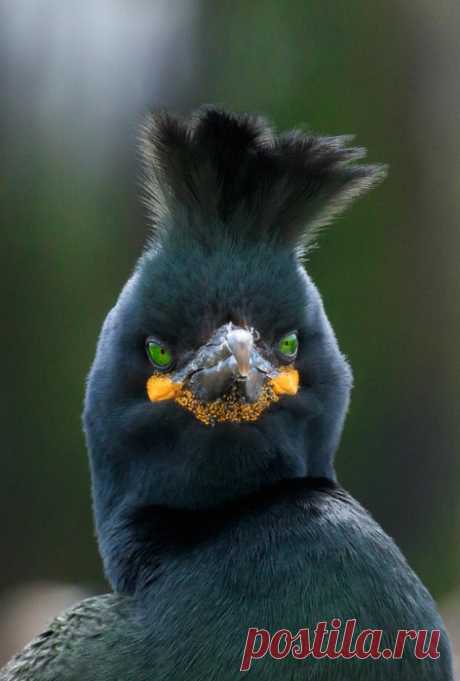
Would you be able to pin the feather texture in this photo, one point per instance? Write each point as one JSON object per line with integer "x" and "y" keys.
{"x": 220, "y": 173}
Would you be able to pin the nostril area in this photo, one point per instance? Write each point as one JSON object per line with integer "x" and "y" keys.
{"x": 238, "y": 338}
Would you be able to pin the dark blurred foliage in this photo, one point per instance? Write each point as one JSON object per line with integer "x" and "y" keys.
{"x": 75, "y": 80}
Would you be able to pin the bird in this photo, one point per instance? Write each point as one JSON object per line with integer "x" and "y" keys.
{"x": 213, "y": 412}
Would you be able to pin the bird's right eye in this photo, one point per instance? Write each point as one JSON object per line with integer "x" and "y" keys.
{"x": 159, "y": 354}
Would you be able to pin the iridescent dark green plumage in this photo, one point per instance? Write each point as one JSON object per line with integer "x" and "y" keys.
{"x": 206, "y": 530}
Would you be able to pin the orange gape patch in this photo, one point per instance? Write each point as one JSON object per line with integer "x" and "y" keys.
{"x": 162, "y": 388}
{"x": 228, "y": 408}
{"x": 287, "y": 382}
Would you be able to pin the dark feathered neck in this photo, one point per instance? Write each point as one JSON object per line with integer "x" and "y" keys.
{"x": 151, "y": 536}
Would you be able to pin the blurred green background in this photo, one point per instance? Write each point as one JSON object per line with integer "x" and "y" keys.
{"x": 75, "y": 81}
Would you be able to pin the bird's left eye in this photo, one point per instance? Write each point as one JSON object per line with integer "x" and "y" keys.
{"x": 287, "y": 346}
{"x": 160, "y": 356}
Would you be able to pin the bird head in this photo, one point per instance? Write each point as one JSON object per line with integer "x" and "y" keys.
{"x": 217, "y": 373}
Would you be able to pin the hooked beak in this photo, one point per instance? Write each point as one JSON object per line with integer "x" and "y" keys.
{"x": 240, "y": 342}
{"x": 227, "y": 380}
{"x": 230, "y": 358}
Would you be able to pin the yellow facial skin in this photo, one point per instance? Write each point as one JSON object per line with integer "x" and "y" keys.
{"x": 227, "y": 408}
{"x": 286, "y": 382}
{"x": 162, "y": 388}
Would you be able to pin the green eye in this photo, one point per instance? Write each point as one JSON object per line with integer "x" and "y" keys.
{"x": 158, "y": 354}
{"x": 288, "y": 346}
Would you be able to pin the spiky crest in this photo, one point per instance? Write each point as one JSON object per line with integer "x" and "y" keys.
{"x": 218, "y": 170}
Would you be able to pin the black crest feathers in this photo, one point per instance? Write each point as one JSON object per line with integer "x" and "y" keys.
{"x": 231, "y": 170}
